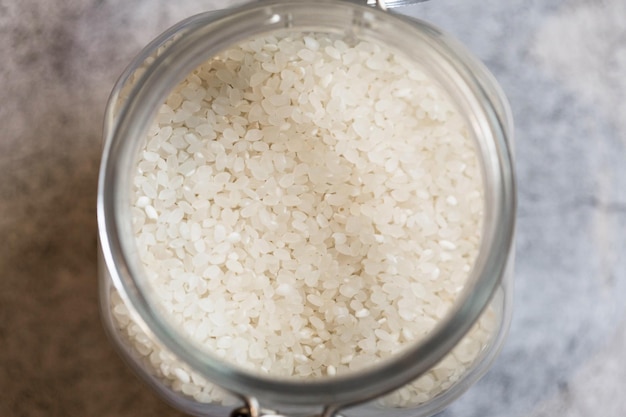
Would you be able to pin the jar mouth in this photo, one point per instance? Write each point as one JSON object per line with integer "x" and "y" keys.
{"x": 467, "y": 82}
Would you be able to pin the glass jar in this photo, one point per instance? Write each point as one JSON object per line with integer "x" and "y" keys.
{"x": 173, "y": 365}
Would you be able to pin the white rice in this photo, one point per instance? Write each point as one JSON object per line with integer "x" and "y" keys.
{"x": 306, "y": 207}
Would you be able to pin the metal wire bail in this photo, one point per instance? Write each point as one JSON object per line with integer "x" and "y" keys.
{"x": 253, "y": 409}
{"x": 379, "y": 4}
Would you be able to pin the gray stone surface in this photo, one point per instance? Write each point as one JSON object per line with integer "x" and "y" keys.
{"x": 562, "y": 65}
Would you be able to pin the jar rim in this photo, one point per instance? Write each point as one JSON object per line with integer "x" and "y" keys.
{"x": 490, "y": 122}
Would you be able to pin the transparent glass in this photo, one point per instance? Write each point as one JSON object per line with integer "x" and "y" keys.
{"x": 132, "y": 105}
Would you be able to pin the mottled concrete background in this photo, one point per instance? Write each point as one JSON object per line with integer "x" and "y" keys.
{"x": 563, "y": 66}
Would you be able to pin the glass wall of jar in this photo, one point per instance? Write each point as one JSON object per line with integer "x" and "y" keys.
{"x": 419, "y": 380}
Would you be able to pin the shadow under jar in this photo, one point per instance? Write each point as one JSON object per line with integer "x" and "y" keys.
{"x": 307, "y": 208}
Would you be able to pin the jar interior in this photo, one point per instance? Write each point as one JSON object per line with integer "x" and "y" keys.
{"x": 219, "y": 146}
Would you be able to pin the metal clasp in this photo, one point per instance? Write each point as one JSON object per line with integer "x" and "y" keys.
{"x": 253, "y": 409}
{"x": 381, "y": 4}
{"x": 391, "y": 4}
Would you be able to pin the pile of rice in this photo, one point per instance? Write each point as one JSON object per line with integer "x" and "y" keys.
{"x": 306, "y": 206}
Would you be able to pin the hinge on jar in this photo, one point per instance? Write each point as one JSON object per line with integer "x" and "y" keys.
{"x": 389, "y": 4}
{"x": 381, "y": 4}
{"x": 253, "y": 409}
{"x": 245, "y": 412}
